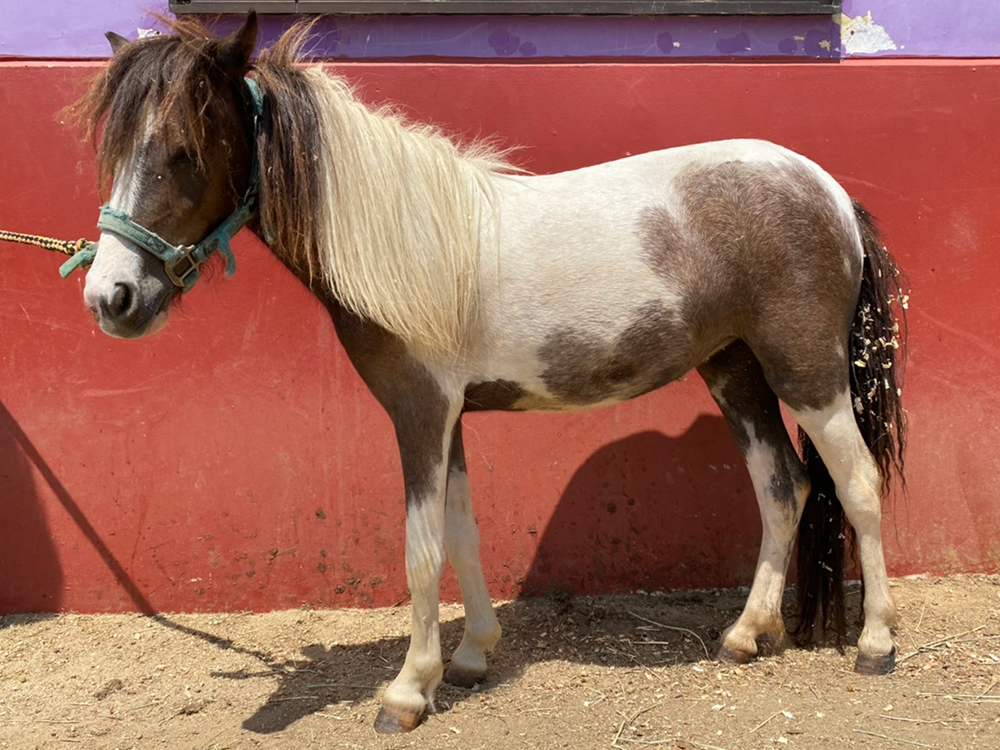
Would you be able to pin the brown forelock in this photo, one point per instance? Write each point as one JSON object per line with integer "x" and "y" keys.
{"x": 767, "y": 255}
{"x": 179, "y": 74}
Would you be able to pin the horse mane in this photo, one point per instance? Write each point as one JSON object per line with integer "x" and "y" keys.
{"x": 386, "y": 214}
{"x": 383, "y": 214}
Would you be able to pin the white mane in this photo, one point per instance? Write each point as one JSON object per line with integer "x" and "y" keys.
{"x": 399, "y": 230}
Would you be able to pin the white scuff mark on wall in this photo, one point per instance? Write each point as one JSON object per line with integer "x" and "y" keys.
{"x": 862, "y": 36}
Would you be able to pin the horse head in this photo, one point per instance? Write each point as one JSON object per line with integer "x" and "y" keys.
{"x": 177, "y": 148}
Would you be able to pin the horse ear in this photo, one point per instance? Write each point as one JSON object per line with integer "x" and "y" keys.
{"x": 117, "y": 41}
{"x": 235, "y": 50}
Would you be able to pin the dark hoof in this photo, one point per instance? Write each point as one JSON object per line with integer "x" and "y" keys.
{"x": 875, "y": 665}
{"x": 463, "y": 678}
{"x": 391, "y": 721}
{"x": 728, "y": 656}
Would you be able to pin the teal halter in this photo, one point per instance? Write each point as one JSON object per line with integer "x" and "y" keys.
{"x": 182, "y": 262}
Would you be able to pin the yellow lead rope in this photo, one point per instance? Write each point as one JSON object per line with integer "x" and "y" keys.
{"x": 66, "y": 247}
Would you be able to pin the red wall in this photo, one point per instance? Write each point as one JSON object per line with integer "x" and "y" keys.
{"x": 236, "y": 461}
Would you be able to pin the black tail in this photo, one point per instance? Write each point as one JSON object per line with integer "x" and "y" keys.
{"x": 876, "y": 337}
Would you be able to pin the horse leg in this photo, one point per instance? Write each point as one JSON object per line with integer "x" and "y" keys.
{"x": 461, "y": 540}
{"x": 750, "y": 407}
{"x": 834, "y": 432}
{"x": 423, "y": 430}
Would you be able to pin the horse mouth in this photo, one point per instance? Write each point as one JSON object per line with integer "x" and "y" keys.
{"x": 138, "y": 326}
{"x": 148, "y": 327}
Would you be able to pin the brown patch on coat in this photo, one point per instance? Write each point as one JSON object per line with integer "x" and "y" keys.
{"x": 406, "y": 390}
{"x": 494, "y": 395}
{"x": 758, "y": 252}
{"x": 583, "y": 368}
{"x": 737, "y": 383}
{"x": 457, "y": 468}
{"x": 456, "y": 453}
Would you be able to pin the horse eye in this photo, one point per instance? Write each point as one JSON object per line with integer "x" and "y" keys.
{"x": 181, "y": 157}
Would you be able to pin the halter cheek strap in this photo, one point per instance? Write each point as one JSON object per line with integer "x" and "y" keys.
{"x": 182, "y": 263}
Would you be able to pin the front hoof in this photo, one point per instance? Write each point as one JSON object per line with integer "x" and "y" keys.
{"x": 875, "y": 665}
{"x": 463, "y": 678}
{"x": 729, "y": 656}
{"x": 393, "y": 721}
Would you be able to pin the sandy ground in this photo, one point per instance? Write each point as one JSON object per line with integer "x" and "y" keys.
{"x": 569, "y": 673}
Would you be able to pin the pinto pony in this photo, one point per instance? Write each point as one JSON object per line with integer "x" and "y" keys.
{"x": 458, "y": 284}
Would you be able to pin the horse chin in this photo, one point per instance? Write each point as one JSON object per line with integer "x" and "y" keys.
{"x": 154, "y": 324}
{"x": 157, "y": 324}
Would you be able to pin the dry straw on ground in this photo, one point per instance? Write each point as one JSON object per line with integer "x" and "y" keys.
{"x": 607, "y": 672}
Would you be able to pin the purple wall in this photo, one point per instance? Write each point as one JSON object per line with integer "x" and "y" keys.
{"x": 590, "y": 36}
{"x": 59, "y": 28}
{"x": 963, "y": 28}
{"x": 932, "y": 28}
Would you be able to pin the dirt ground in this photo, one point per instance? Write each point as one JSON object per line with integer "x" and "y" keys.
{"x": 600, "y": 672}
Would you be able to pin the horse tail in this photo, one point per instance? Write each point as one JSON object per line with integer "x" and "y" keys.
{"x": 875, "y": 340}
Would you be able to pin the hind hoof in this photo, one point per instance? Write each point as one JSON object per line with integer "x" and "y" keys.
{"x": 463, "y": 678}
{"x": 729, "y": 656}
{"x": 875, "y": 665}
{"x": 392, "y": 721}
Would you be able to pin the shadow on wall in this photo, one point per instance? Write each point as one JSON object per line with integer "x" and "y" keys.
{"x": 28, "y": 545}
{"x": 652, "y": 512}
{"x": 637, "y": 513}
{"x": 31, "y": 579}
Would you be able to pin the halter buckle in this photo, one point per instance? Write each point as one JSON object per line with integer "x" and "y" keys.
{"x": 186, "y": 263}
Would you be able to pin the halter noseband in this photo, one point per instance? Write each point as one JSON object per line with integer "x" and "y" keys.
{"x": 182, "y": 262}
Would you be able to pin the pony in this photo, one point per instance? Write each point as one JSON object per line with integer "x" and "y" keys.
{"x": 458, "y": 283}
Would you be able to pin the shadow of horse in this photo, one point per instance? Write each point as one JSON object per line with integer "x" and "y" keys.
{"x": 660, "y": 488}
{"x": 652, "y": 512}
{"x": 32, "y": 579}
{"x": 620, "y": 631}
{"x": 607, "y": 631}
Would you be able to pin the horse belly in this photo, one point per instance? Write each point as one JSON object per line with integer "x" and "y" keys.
{"x": 575, "y": 367}
{"x": 585, "y": 387}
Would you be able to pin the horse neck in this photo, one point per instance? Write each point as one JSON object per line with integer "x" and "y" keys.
{"x": 384, "y": 215}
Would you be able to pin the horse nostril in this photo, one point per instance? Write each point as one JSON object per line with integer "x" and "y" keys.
{"x": 121, "y": 300}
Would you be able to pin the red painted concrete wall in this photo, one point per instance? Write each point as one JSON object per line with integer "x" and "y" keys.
{"x": 236, "y": 461}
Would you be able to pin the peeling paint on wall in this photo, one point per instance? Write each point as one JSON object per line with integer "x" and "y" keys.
{"x": 862, "y": 36}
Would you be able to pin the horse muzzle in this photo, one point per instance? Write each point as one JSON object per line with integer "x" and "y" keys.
{"x": 127, "y": 298}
